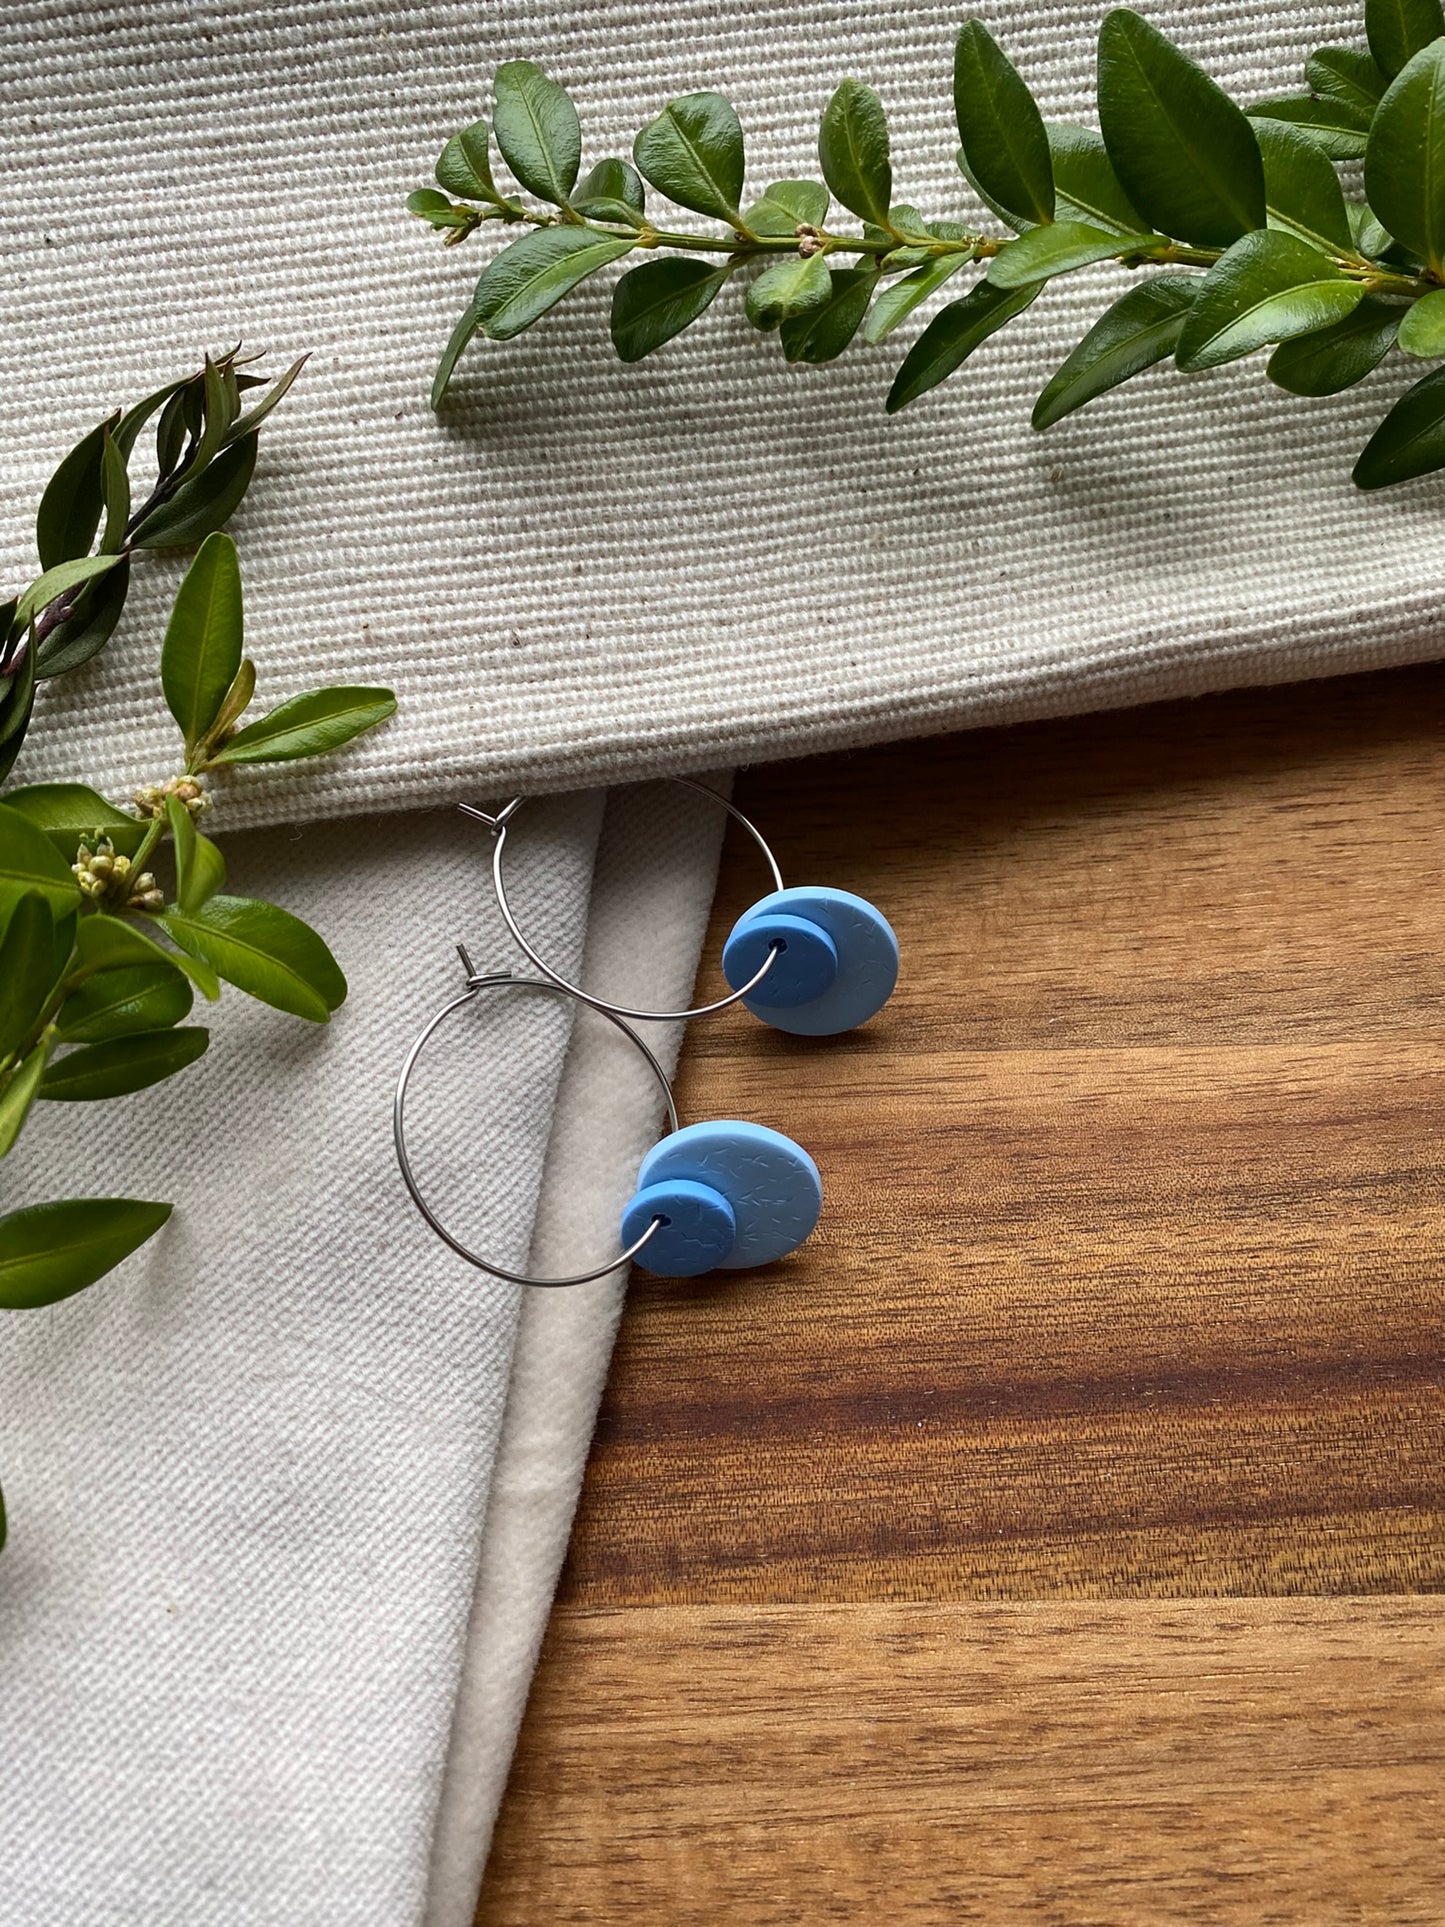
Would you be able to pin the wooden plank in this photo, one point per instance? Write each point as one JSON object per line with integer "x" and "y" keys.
{"x": 1131, "y": 1276}
{"x": 1251, "y": 1762}
{"x": 1128, "y": 1300}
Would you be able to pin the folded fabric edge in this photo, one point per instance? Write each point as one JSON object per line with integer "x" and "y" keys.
{"x": 675, "y": 734}
{"x": 652, "y": 892}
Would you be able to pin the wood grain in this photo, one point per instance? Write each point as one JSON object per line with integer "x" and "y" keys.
{"x": 1261, "y": 1762}
{"x": 1131, "y": 1277}
{"x": 1129, "y": 1290}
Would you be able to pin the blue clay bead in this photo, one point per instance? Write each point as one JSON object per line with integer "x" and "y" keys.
{"x": 771, "y": 1183}
{"x": 697, "y": 1233}
{"x": 863, "y": 943}
{"x": 805, "y": 966}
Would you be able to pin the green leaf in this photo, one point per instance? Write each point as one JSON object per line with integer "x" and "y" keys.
{"x": 1142, "y": 327}
{"x": 115, "y": 492}
{"x": 1302, "y": 190}
{"x": 1057, "y": 249}
{"x": 18, "y": 1092}
{"x": 536, "y": 128}
{"x": 853, "y": 152}
{"x": 70, "y": 508}
{"x": 897, "y": 301}
{"x": 134, "y": 419}
{"x": 1369, "y": 237}
{"x": 125, "y": 1064}
{"x": 171, "y": 430}
{"x": 653, "y": 303}
{"x": 68, "y": 812}
{"x": 266, "y": 952}
{"x": 1004, "y": 214}
{"x": 30, "y": 861}
{"x": 121, "y": 1003}
{"x": 49, "y": 1251}
{"x": 1184, "y": 151}
{"x": 951, "y": 337}
{"x": 1004, "y": 140}
{"x": 202, "y": 649}
{"x": 1086, "y": 188}
{"x": 105, "y": 943}
{"x": 1265, "y": 288}
{"x": 1333, "y": 127}
{"x": 248, "y": 423}
{"x": 1422, "y": 329}
{"x": 1410, "y": 441}
{"x": 823, "y": 334}
{"x": 309, "y": 725}
{"x": 1352, "y": 78}
{"x": 203, "y": 503}
{"x": 55, "y": 583}
{"x": 28, "y": 969}
{"x": 907, "y": 221}
{"x": 219, "y": 401}
{"x": 200, "y": 867}
{"x": 787, "y": 206}
{"x": 533, "y": 274}
{"x": 613, "y": 191}
{"x": 236, "y": 702}
{"x": 452, "y": 353}
{"x": 793, "y": 286}
{"x": 1405, "y": 158}
{"x": 17, "y": 702}
{"x": 1398, "y": 29}
{"x": 439, "y": 212}
{"x": 693, "y": 153}
{"x": 465, "y": 166}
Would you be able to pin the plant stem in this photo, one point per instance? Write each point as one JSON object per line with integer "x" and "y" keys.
{"x": 742, "y": 244}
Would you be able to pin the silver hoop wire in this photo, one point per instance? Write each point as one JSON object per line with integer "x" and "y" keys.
{"x": 496, "y": 980}
{"x": 499, "y": 825}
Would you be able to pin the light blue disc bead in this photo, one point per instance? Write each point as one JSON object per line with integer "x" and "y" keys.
{"x": 806, "y": 964}
{"x": 863, "y": 943}
{"x": 698, "y": 1228}
{"x": 771, "y": 1184}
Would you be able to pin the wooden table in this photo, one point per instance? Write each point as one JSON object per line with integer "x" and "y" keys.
{"x": 1053, "y": 1539}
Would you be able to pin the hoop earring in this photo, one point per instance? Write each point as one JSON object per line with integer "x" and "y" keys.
{"x": 809, "y": 960}
{"x": 722, "y": 1195}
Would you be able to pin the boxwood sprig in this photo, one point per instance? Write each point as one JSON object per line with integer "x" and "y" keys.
{"x": 111, "y": 919}
{"x": 89, "y": 527}
{"x": 1241, "y": 208}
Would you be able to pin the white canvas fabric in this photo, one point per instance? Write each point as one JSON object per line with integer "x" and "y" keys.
{"x": 585, "y": 570}
{"x": 277, "y": 1560}
{"x": 247, "y": 1472}
{"x": 656, "y": 867}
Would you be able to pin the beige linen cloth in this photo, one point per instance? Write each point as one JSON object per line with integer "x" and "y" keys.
{"x": 249, "y": 1473}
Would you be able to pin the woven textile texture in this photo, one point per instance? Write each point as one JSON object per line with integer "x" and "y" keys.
{"x": 584, "y": 570}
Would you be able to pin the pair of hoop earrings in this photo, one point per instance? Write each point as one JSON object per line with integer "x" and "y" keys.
{"x": 721, "y": 1195}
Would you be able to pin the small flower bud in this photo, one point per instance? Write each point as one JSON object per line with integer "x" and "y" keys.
{"x": 809, "y": 247}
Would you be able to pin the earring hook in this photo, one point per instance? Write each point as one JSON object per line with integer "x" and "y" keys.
{"x": 478, "y": 982}
{"x": 499, "y": 825}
